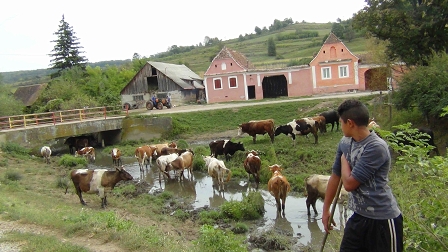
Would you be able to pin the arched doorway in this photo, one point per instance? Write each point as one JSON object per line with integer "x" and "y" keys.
{"x": 274, "y": 86}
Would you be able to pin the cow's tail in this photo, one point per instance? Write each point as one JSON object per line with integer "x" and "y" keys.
{"x": 229, "y": 174}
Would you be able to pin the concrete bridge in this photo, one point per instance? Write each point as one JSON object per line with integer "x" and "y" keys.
{"x": 107, "y": 129}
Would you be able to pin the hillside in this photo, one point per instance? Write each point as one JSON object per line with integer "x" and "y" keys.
{"x": 253, "y": 46}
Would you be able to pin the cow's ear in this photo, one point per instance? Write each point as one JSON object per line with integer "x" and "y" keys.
{"x": 240, "y": 125}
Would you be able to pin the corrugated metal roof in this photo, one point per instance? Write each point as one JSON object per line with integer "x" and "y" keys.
{"x": 180, "y": 74}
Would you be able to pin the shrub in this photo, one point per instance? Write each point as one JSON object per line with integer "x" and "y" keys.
{"x": 240, "y": 228}
{"x": 215, "y": 240}
{"x": 209, "y": 217}
{"x": 62, "y": 182}
{"x": 251, "y": 207}
{"x": 71, "y": 161}
{"x": 15, "y": 149}
{"x": 13, "y": 176}
{"x": 181, "y": 215}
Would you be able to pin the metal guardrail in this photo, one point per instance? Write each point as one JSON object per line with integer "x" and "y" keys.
{"x": 59, "y": 117}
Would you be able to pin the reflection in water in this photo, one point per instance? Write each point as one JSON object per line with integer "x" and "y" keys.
{"x": 199, "y": 192}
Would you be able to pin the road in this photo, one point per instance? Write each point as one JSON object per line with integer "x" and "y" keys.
{"x": 213, "y": 106}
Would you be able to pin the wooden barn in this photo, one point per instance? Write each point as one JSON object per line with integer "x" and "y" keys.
{"x": 163, "y": 79}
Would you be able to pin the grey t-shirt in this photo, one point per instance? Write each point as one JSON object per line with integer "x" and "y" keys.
{"x": 370, "y": 163}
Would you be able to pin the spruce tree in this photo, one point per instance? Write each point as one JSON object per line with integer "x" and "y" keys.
{"x": 66, "y": 52}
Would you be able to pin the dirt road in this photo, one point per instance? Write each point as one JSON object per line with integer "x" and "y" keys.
{"x": 213, "y": 106}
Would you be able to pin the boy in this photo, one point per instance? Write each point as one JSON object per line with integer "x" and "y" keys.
{"x": 363, "y": 163}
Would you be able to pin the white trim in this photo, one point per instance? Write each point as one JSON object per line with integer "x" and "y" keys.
{"x": 223, "y": 66}
{"x": 322, "y": 73}
{"x": 246, "y": 95}
{"x": 289, "y": 77}
{"x": 232, "y": 77}
{"x": 214, "y": 88}
{"x": 206, "y": 89}
{"x": 313, "y": 74}
{"x": 346, "y": 71}
{"x": 258, "y": 80}
{"x": 356, "y": 66}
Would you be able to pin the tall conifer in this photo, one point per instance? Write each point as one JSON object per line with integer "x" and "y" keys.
{"x": 66, "y": 52}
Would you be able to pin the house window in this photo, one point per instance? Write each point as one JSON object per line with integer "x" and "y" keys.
{"x": 138, "y": 97}
{"x": 223, "y": 66}
{"x": 343, "y": 71}
{"x": 217, "y": 83}
{"x": 232, "y": 82}
{"x": 326, "y": 73}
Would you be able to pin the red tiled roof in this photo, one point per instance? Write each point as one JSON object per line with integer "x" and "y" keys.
{"x": 332, "y": 39}
{"x": 238, "y": 57}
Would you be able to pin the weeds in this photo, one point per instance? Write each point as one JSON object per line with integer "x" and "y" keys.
{"x": 71, "y": 161}
{"x": 216, "y": 240}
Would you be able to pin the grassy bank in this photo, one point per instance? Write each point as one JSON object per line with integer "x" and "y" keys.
{"x": 32, "y": 192}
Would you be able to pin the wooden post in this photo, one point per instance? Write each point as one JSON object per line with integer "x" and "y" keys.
{"x": 24, "y": 121}
{"x": 60, "y": 115}
{"x": 104, "y": 113}
{"x": 80, "y": 115}
{"x": 54, "y": 119}
{"x": 37, "y": 121}
{"x": 10, "y": 123}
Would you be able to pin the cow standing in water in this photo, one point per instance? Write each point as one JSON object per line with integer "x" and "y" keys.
{"x": 279, "y": 187}
{"x": 116, "y": 156}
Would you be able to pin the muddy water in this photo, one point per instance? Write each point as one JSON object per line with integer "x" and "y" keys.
{"x": 199, "y": 192}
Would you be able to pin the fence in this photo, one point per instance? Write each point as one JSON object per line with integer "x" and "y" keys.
{"x": 59, "y": 117}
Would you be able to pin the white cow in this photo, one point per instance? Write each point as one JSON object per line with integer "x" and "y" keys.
{"x": 46, "y": 153}
{"x": 164, "y": 163}
{"x": 217, "y": 170}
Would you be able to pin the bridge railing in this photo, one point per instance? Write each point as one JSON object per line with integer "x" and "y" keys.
{"x": 59, "y": 117}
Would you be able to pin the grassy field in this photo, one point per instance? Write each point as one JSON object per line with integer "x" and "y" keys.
{"x": 33, "y": 193}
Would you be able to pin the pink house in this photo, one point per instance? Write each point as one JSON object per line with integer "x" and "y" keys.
{"x": 232, "y": 77}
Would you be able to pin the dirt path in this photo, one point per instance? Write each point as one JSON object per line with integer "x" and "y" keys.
{"x": 87, "y": 242}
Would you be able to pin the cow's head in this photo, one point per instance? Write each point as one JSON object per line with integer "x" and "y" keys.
{"x": 124, "y": 175}
{"x": 285, "y": 129}
{"x": 240, "y": 130}
{"x": 239, "y": 146}
{"x": 275, "y": 168}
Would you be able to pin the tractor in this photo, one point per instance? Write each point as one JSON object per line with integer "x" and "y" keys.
{"x": 158, "y": 103}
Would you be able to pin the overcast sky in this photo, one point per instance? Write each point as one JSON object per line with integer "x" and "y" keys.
{"x": 115, "y": 30}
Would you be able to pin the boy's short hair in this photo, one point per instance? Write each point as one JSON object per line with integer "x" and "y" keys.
{"x": 355, "y": 111}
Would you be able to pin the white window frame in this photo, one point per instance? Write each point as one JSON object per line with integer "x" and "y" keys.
{"x": 214, "y": 87}
{"x": 323, "y": 70}
{"x": 346, "y": 71}
{"x": 223, "y": 66}
{"x": 236, "y": 81}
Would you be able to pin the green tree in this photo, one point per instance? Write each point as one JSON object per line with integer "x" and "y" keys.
{"x": 66, "y": 53}
{"x": 425, "y": 87}
{"x": 10, "y": 106}
{"x": 414, "y": 28}
{"x": 258, "y": 30}
{"x": 338, "y": 30}
{"x": 271, "y": 47}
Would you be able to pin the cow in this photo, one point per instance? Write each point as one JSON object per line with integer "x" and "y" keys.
{"x": 164, "y": 164}
{"x": 116, "y": 156}
{"x": 97, "y": 181}
{"x": 145, "y": 153}
{"x": 77, "y": 143}
{"x": 322, "y": 126}
{"x": 159, "y": 147}
{"x": 46, "y": 153}
{"x": 332, "y": 117}
{"x": 423, "y": 134}
{"x": 224, "y": 147}
{"x": 252, "y": 165}
{"x": 279, "y": 187}
{"x": 217, "y": 170}
{"x": 252, "y": 128}
{"x": 302, "y": 126}
{"x": 170, "y": 150}
{"x": 87, "y": 152}
{"x": 316, "y": 186}
{"x": 183, "y": 162}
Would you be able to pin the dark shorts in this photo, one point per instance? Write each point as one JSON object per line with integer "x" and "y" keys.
{"x": 365, "y": 234}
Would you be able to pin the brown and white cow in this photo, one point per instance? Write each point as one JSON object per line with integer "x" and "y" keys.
{"x": 252, "y": 165}
{"x": 225, "y": 147}
{"x": 87, "y": 152}
{"x": 279, "y": 187}
{"x": 183, "y": 162}
{"x": 217, "y": 170}
{"x": 261, "y": 127}
{"x": 316, "y": 186}
{"x": 99, "y": 181}
{"x": 164, "y": 164}
{"x": 116, "y": 156}
{"x": 159, "y": 147}
{"x": 302, "y": 126}
{"x": 145, "y": 153}
{"x": 170, "y": 150}
{"x": 45, "y": 151}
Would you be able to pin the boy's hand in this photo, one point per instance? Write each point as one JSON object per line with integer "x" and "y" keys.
{"x": 325, "y": 221}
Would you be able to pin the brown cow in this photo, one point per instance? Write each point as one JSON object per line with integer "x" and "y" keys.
{"x": 97, "y": 181}
{"x": 252, "y": 165}
{"x": 170, "y": 150}
{"x": 116, "y": 156}
{"x": 184, "y": 161}
{"x": 279, "y": 187}
{"x": 87, "y": 152}
{"x": 252, "y": 128}
{"x": 322, "y": 126}
{"x": 159, "y": 147}
{"x": 145, "y": 153}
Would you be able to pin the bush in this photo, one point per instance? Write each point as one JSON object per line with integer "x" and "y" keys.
{"x": 240, "y": 228}
{"x": 215, "y": 240}
{"x": 13, "y": 176}
{"x": 250, "y": 208}
{"x": 15, "y": 149}
{"x": 181, "y": 215}
{"x": 71, "y": 161}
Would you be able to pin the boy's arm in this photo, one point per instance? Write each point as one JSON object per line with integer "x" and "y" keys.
{"x": 350, "y": 183}
{"x": 332, "y": 187}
